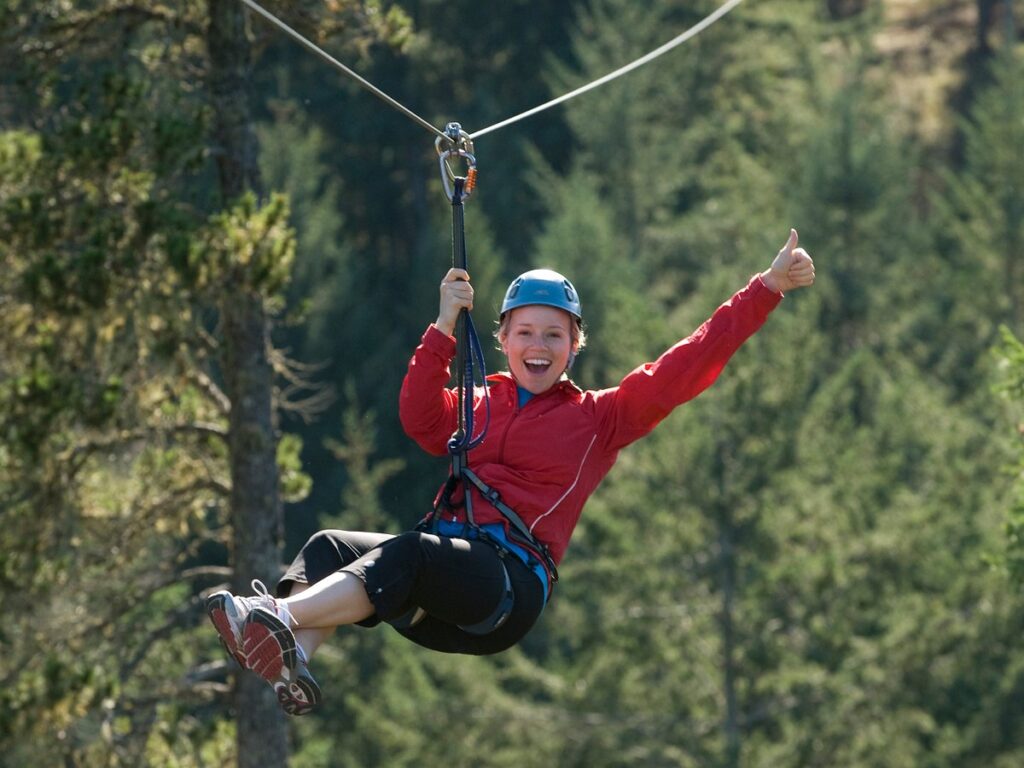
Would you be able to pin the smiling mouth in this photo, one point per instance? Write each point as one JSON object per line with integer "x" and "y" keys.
{"x": 537, "y": 365}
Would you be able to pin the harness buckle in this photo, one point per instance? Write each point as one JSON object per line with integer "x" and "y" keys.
{"x": 458, "y": 464}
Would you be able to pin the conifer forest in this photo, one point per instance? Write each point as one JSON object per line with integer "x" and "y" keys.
{"x": 219, "y": 252}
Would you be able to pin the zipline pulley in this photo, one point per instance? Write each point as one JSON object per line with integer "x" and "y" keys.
{"x": 456, "y": 143}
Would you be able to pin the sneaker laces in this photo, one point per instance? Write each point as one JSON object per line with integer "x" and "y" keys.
{"x": 264, "y": 599}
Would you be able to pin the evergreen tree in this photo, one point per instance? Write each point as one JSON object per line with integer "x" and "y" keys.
{"x": 983, "y": 205}
{"x": 1010, "y": 355}
{"x": 126, "y": 415}
{"x": 110, "y": 430}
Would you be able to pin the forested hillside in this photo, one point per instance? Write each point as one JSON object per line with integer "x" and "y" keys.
{"x": 218, "y": 254}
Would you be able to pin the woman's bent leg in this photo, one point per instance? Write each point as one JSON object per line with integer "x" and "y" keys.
{"x": 309, "y": 638}
{"x": 338, "y": 598}
{"x": 325, "y": 553}
{"x": 343, "y": 577}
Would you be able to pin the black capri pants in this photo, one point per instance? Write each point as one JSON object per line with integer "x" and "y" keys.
{"x": 455, "y": 581}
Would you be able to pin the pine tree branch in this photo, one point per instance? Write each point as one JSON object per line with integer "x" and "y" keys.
{"x": 178, "y": 618}
{"x": 220, "y": 571}
{"x": 84, "y": 29}
{"x": 308, "y": 407}
{"x": 144, "y": 434}
{"x": 207, "y": 385}
{"x": 298, "y": 377}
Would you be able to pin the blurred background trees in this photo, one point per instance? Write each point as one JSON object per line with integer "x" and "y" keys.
{"x": 818, "y": 562}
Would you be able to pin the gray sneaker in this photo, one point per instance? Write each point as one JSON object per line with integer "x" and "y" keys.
{"x": 255, "y": 636}
{"x": 228, "y": 613}
{"x": 300, "y": 696}
{"x": 272, "y": 653}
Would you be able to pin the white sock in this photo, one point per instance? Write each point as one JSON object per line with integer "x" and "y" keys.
{"x": 284, "y": 614}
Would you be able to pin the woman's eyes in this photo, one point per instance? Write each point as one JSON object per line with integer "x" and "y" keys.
{"x": 553, "y": 336}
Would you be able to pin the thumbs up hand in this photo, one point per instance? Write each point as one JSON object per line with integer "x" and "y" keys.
{"x": 792, "y": 267}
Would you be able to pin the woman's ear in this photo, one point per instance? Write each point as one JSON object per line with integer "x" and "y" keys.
{"x": 575, "y": 350}
{"x": 502, "y": 334}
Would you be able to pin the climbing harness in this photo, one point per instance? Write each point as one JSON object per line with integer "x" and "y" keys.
{"x": 454, "y": 145}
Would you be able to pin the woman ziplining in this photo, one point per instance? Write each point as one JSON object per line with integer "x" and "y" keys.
{"x": 477, "y": 586}
{"x": 475, "y": 574}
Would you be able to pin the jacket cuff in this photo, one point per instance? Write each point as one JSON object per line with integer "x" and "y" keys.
{"x": 439, "y": 342}
{"x": 762, "y": 295}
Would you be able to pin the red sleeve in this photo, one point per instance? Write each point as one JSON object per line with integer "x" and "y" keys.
{"x": 649, "y": 393}
{"x": 426, "y": 407}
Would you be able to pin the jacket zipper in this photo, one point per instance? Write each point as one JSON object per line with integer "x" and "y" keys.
{"x": 504, "y": 433}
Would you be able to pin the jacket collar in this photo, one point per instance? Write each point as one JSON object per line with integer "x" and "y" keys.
{"x": 564, "y": 384}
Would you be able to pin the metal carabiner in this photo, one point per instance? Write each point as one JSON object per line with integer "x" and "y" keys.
{"x": 456, "y": 142}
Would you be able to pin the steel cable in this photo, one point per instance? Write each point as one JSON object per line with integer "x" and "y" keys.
{"x": 645, "y": 59}
{"x": 354, "y": 75}
{"x": 675, "y": 42}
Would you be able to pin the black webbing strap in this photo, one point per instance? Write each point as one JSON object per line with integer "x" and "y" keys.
{"x": 459, "y": 440}
{"x": 501, "y": 612}
{"x": 469, "y": 354}
{"x": 497, "y": 617}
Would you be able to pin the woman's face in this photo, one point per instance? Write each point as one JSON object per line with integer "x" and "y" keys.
{"x": 537, "y": 342}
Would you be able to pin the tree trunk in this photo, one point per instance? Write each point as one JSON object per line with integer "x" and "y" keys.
{"x": 262, "y": 736}
{"x": 255, "y": 509}
{"x": 986, "y": 10}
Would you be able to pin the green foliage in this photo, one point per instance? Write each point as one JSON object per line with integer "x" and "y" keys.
{"x": 292, "y": 160}
{"x": 295, "y": 483}
{"x": 982, "y": 221}
{"x": 985, "y": 206}
{"x": 114, "y": 469}
{"x": 249, "y": 247}
{"x": 795, "y": 569}
{"x": 1010, "y": 355}
{"x": 361, "y": 508}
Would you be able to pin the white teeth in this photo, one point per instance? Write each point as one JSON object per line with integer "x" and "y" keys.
{"x": 537, "y": 361}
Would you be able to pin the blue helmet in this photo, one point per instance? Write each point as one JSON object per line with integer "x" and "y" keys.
{"x": 546, "y": 287}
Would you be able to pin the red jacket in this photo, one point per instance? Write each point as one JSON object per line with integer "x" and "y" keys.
{"x": 546, "y": 458}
